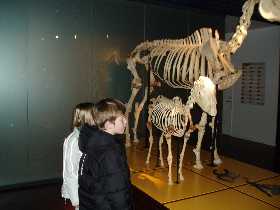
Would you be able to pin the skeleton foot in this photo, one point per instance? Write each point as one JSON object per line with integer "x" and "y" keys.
{"x": 218, "y": 161}
{"x": 198, "y": 165}
{"x": 136, "y": 141}
{"x": 170, "y": 182}
{"x": 181, "y": 177}
{"x": 127, "y": 143}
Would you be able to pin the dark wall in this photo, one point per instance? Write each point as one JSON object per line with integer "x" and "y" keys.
{"x": 57, "y": 53}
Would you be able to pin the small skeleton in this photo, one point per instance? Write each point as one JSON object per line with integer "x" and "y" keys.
{"x": 180, "y": 62}
{"x": 173, "y": 118}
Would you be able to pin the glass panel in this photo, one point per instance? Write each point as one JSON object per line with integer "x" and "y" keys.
{"x": 117, "y": 28}
{"x": 57, "y": 53}
{"x": 13, "y": 93}
{"x": 197, "y": 19}
{"x": 166, "y": 23}
{"x": 59, "y": 78}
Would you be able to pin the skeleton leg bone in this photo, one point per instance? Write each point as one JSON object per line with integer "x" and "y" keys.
{"x": 136, "y": 84}
{"x": 151, "y": 139}
{"x": 160, "y": 150}
{"x": 217, "y": 160}
{"x": 201, "y": 131}
{"x": 186, "y": 138}
{"x": 169, "y": 159}
{"x": 137, "y": 112}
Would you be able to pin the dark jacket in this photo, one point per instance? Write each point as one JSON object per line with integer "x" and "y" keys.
{"x": 104, "y": 178}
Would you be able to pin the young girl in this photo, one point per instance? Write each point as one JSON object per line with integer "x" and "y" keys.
{"x": 83, "y": 114}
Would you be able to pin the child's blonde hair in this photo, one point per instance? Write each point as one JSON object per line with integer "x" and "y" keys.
{"x": 107, "y": 109}
{"x": 83, "y": 114}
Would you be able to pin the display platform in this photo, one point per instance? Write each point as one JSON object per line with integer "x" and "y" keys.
{"x": 201, "y": 189}
{"x": 254, "y": 192}
{"x": 227, "y": 199}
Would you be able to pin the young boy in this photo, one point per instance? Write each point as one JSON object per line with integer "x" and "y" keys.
{"x": 104, "y": 178}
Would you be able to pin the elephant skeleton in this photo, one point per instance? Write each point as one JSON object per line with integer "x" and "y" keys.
{"x": 183, "y": 61}
{"x": 179, "y": 63}
{"x": 174, "y": 118}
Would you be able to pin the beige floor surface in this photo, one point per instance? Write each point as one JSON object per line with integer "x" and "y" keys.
{"x": 222, "y": 200}
{"x": 154, "y": 183}
{"x": 254, "y": 192}
{"x": 201, "y": 189}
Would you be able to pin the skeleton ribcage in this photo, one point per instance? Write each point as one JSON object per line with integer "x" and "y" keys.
{"x": 169, "y": 116}
{"x": 179, "y": 62}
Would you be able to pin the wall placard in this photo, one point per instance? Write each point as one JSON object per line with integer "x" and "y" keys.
{"x": 253, "y": 84}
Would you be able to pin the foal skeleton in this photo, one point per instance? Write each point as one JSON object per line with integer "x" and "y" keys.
{"x": 173, "y": 118}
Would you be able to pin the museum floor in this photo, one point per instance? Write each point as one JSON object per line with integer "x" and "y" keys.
{"x": 201, "y": 190}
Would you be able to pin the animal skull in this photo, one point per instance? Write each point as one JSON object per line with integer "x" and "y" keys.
{"x": 270, "y": 9}
{"x": 205, "y": 93}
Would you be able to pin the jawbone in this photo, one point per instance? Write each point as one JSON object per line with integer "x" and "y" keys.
{"x": 228, "y": 81}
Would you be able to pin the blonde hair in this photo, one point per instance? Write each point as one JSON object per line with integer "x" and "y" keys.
{"x": 83, "y": 114}
{"x": 107, "y": 109}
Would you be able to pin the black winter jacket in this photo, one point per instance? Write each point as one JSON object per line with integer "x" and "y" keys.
{"x": 104, "y": 178}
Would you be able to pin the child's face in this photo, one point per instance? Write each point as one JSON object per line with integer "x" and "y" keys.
{"x": 120, "y": 125}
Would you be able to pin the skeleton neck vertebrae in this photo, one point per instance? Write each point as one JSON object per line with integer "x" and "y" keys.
{"x": 269, "y": 9}
{"x": 244, "y": 23}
